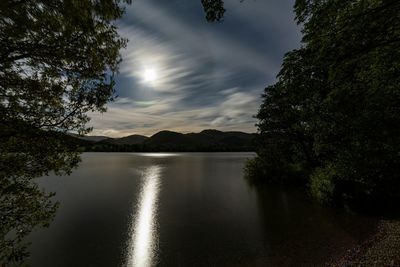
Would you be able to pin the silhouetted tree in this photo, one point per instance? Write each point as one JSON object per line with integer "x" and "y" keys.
{"x": 214, "y": 9}
{"x": 58, "y": 59}
{"x": 57, "y": 62}
{"x": 333, "y": 116}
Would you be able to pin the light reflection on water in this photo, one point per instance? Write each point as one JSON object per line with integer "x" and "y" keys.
{"x": 201, "y": 212}
{"x": 157, "y": 154}
{"x": 143, "y": 244}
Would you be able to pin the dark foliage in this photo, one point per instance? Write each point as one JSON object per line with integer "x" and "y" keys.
{"x": 58, "y": 59}
{"x": 214, "y": 9}
{"x": 167, "y": 141}
{"x": 57, "y": 62}
{"x": 334, "y": 115}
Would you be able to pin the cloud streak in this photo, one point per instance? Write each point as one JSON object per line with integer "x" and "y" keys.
{"x": 205, "y": 75}
{"x": 232, "y": 113}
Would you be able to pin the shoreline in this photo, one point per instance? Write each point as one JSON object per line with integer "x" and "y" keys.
{"x": 381, "y": 249}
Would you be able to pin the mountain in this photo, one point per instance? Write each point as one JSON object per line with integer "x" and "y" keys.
{"x": 207, "y": 140}
{"x": 128, "y": 140}
{"x": 168, "y": 138}
{"x": 93, "y": 138}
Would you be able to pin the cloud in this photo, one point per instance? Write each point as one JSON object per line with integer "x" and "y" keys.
{"x": 234, "y": 112}
{"x": 205, "y": 75}
{"x": 237, "y": 109}
{"x": 198, "y": 38}
{"x": 145, "y": 51}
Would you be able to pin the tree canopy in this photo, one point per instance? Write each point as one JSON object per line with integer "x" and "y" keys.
{"x": 332, "y": 119}
{"x": 58, "y": 61}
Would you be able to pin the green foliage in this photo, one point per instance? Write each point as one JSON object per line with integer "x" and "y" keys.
{"x": 274, "y": 166}
{"x": 336, "y": 105}
{"x": 58, "y": 59}
{"x": 322, "y": 184}
{"x": 23, "y": 206}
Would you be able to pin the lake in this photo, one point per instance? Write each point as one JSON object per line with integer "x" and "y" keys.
{"x": 185, "y": 209}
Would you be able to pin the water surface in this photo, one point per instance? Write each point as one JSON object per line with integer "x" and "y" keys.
{"x": 185, "y": 209}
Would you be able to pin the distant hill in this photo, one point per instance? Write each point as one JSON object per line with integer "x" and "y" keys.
{"x": 207, "y": 140}
{"x": 93, "y": 138}
{"x": 127, "y": 140}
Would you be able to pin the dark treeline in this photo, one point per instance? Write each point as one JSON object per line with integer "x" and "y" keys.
{"x": 332, "y": 120}
{"x": 104, "y": 147}
{"x": 167, "y": 141}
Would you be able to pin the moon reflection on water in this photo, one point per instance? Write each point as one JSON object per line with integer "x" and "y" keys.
{"x": 143, "y": 243}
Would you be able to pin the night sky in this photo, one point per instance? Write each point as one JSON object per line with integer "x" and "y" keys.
{"x": 181, "y": 73}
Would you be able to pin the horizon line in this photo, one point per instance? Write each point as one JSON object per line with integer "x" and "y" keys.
{"x": 184, "y": 132}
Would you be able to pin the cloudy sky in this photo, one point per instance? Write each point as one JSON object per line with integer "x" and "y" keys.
{"x": 183, "y": 74}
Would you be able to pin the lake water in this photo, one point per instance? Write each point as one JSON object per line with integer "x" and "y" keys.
{"x": 185, "y": 209}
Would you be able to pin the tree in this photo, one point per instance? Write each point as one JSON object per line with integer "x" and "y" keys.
{"x": 214, "y": 9}
{"x": 285, "y": 142}
{"x": 336, "y": 103}
{"x": 58, "y": 60}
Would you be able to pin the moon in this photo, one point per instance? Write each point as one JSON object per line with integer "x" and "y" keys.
{"x": 149, "y": 75}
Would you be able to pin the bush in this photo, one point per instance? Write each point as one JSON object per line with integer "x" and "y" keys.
{"x": 322, "y": 185}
